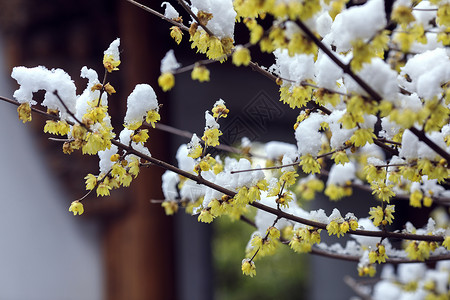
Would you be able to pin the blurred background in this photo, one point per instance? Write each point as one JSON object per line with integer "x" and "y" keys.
{"x": 124, "y": 247}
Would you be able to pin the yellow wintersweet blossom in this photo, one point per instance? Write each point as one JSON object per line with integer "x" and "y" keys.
{"x": 443, "y": 15}
{"x": 289, "y": 178}
{"x": 166, "y": 81}
{"x": 418, "y": 250}
{"x": 335, "y": 192}
{"x": 378, "y": 255}
{"x": 141, "y": 136}
{"x": 241, "y": 56}
{"x": 195, "y": 151}
{"x": 76, "y": 207}
{"x": 382, "y": 217}
{"x": 334, "y": 228}
{"x": 211, "y": 136}
{"x": 94, "y": 143}
{"x": 368, "y": 270}
{"x": 340, "y": 157}
{"x": 152, "y": 117}
{"x": 248, "y": 267}
{"x": 362, "y": 136}
{"x": 402, "y": 14}
{"x": 309, "y": 164}
{"x": 170, "y": 207}
{"x": 307, "y": 190}
{"x": 415, "y": 199}
{"x": 103, "y": 188}
{"x": 446, "y": 242}
{"x": 91, "y": 181}
{"x": 110, "y": 64}
{"x": 57, "y": 127}
{"x": 362, "y": 53}
{"x": 176, "y": 34}
{"x": 24, "y": 111}
{"x": 382, "y": 190}
{"x": 220, "y": 111}
{"x": 205, "y": 216}
{"x": 200, "y": 73}
{"x": 134, "y": 167}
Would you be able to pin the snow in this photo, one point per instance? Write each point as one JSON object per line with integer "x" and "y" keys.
{"x": 222, "y": 22}
{"x": 327, "y": 71}
{"x": 307, "y": 134}
{"x": 340, "y": 174}
{"x": 339, "y": 135}
{"x": 427, "y": 72}
{"x": 275, "y": 150}
{"x": 357, "y": 22}
{"x": 169, "y": 12}
{"x": 210, "y": 121}
{"x": 169, "y": 63}
{"x": 141, "y": 100}
{"x": 38, "y": 78}
{"x": 293, "y": 68}
{"x": 105, "y": 162}
{"x": 170, "y": 181}
{"x": 113, "y": 50}
{"x": 379, "y": 76}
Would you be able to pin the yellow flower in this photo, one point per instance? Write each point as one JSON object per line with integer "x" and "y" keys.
{"x": 362, "y": 136}
{"x": 309, "y": 164}
{"x": 378, "y": 255}
{"x": 200, "y": 73}
{"x": 91, "y": 181}
{"x": 24, "y": 111}
{"x": 152, "y": 117}
{"x": 443, "y": 15}
{"x": 110, "y": 64}
{"x": 215, "y": 49}
{"x": 109, "y": 89}
{"x": 335, "y": 192}
{"x": 402, "y": 15}
{"x": 166, "y": 81}
{"x": 195, "y": 151}
{"x": 289, "y": 178}
{"x": 57, "y": 127}
{"x": 103, "y": 188}
{"x": 334, "y": 228}
{"x": 446, "y": 242}
{"x": 241, "y": 56}
{"x": 382, "y": 190}
{"x": 220, "y": 111}
{"x": 170, "y": 207}
{"x": 176, "y": 34}
{"x": 205, "y": 216}
{"x": 134, "y": 167}
{"x": 140, "y": 137}
{"x": 415, "y": 199}
{"x": 211, "y": 137}
{"x": 76, "y": 207}
{"x": 340, "y": 157}
{"x": 248, "y": 267}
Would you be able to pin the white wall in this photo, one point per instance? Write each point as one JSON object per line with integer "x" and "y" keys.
{"x": 45, "y": 251}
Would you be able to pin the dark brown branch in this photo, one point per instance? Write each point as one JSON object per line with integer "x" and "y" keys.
{"x": 422, "y": 137}
{"x": 191, "y": 13}
{"x": 154, "y": 12}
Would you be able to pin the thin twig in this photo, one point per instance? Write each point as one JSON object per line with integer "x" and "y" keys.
{"x": 356, "y": 288}
{"x": 154, "y": 12}
{"x": 191, "y": 13}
